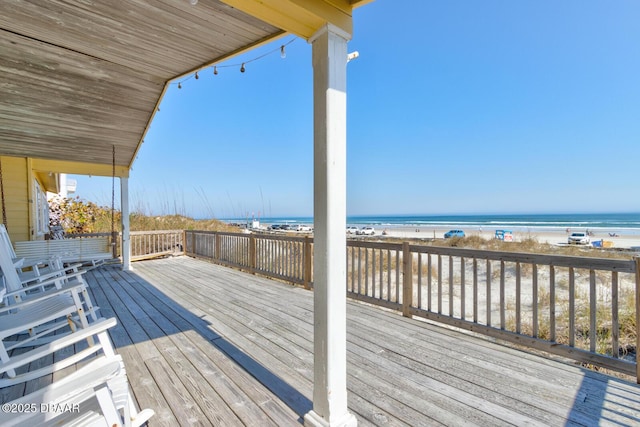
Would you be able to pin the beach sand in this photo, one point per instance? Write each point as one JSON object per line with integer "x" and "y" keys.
{"x": 622, "y": 241}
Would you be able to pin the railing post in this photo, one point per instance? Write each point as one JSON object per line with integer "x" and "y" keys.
{"x": 193, "y": 243}
{"x": 637, "y": 260}
{"x": 252, "y": 253}
{"x": 218, "y": 245}
{"x": 308, "y": 262}
{"x": 407, "y": 280}
{"x": 183, "y": 244}
{"x": 114, "y": 244}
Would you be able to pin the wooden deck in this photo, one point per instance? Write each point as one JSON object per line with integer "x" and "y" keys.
{"x": 208, "y": 345}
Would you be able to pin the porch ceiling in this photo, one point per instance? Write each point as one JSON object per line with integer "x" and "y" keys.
{"x": 77, "y": 78}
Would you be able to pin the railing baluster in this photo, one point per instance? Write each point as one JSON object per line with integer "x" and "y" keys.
{"x": 552, "y": 303}
{"x": 475, "y": 290}
{"x": 518, "y": 299}
{"x": 388, "y": 275}
{"x": 353, "y": 270}
{"x": 502, "y": 296}
{"x": 373, "y": 273}
{"x": 439, "y": 284}
{"x": 592, "y": 311}
{"x": 462, "y": 288}
{"x": 419, "y": 280}
{"x": 381, "y": 278}
{"x": 287, "y": 258}
{"x": 450, "y": 285}
{"x": 534, "y": 303}
{"x": 488, "y": 293}
{"x": 366, "y": 271}
{"x": 398, "y": 268}
{"x": 360, "y": 270}
{"x": 349, "y": 283}
{"x": 572, "y": 307}
{"x": 615, "y": 321}
{"x": 429, "y": 282}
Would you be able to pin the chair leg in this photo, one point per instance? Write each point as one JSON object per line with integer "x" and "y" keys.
{"x": 109, "y": 411}
{"x": 90, "y": 308}
{"x": 137, "y": 418}
{"x": 4, "y": 357}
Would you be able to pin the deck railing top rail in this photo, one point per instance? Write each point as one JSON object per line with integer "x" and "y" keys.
{"x": 607, "y": 264}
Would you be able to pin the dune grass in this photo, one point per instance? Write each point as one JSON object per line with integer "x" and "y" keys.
{"x": 79, "y": 216}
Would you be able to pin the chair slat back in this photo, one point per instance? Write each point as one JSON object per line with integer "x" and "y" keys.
{"x": 11, "y": 279}
{"x": 5, "y": 240}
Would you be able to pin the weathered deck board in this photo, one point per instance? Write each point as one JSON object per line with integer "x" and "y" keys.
{"x": 208, "y": 345}
{"x": 401, "y": 371}
{"x": 170, "y": 328}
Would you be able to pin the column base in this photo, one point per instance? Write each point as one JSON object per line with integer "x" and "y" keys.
{"x": 312, "y": 419}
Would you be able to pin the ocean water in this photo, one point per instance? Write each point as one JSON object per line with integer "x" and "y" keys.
{"x": 627, "y": 223}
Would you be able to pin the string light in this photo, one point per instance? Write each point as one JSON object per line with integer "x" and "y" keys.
{"x": 281, "y": 48}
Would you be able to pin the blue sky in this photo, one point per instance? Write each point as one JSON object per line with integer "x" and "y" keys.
{"x": 454, "y": 107}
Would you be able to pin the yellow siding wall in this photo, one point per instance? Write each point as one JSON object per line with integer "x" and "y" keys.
{"x": 15, "y": 179}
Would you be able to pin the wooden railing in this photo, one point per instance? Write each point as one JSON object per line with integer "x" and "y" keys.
{"x": 280, "y": 257}
{"x": 150, "y": 244}
{"x": 114, "y": 240}
{"x": 571, "y": 306}
{"x": 144, "y": 244}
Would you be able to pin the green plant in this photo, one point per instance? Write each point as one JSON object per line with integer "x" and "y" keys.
{"x": 75, "y": 215}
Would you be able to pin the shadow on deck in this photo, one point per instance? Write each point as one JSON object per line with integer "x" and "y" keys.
{"x": 208, "y": 345}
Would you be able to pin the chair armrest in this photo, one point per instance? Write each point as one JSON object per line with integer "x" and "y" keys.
{"x": 62, "y": 275}
{"x": 51, "y": 277}
{"x": 72, "y": 390}
{"x": 59, "y": 344}
{"x": 37, "y": 298}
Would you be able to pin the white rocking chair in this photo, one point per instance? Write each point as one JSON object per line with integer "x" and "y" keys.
{"x": 96, "y": 394}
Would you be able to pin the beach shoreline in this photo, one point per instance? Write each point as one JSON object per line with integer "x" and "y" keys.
{"x": 609, "y": 230}
{"x": 553, "y": 237}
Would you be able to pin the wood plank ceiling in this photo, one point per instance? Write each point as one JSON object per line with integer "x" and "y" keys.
{"x": 77, "y": 77}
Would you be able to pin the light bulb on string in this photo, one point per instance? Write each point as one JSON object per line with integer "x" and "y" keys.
{"x": 197, "y": 77}
{"x": 215, "y": 70}
{"x": 242, "y": 68}
{"x": 179, "y": 85}
{"x": 283, "y": 54}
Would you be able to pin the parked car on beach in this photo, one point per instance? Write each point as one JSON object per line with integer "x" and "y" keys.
{"x": 453, "y": 233}
{"x": 302, "y": 227}
{"x": 366, "y": 231}
{"x": 579, "y": 238}
{"x": 352, "y": 230}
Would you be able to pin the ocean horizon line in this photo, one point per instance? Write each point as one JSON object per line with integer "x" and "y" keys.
{"x": 401, "y": 215}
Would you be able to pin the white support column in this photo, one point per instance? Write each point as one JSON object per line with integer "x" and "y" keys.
{"x": 330, "y": 199}
{"x": 126, "y": 236}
